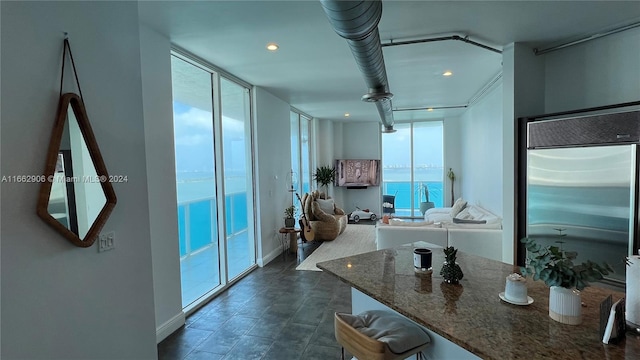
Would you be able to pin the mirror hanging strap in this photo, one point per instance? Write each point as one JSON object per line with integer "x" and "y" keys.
{"x": 73, "y": 65}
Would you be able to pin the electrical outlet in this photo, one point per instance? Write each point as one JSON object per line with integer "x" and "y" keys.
{"x": 106, "y": 241}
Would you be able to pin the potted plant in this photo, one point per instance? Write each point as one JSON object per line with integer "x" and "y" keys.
{"x": 452, "y": 176}
{"x": 555, "y": 267}
{"x": 289, "y": 220}
{"x": 426, "y": 204}
{"x": 324, "y": 176}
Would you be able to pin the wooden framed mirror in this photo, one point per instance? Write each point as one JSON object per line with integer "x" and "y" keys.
{"x": 76, "y": 197}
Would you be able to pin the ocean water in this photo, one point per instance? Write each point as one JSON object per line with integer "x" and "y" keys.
{"x": 197, "y": 206}
{"x": 197, "y": 209}
{"x": 394, "y": 183}
{"x": 402, "y": 192}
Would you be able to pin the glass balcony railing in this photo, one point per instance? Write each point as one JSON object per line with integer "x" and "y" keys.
{"x": 196, "y": 219}
{"x": 404, "y": 191}
{"x": 198, "y": 243}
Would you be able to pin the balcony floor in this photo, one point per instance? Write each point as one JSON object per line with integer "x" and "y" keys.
{"x": 200, "y": 270}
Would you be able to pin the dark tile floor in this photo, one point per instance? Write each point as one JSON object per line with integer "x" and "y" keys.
{"x": 275, "y": 312}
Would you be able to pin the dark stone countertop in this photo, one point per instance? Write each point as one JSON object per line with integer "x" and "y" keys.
{"x": 472, "y": 315}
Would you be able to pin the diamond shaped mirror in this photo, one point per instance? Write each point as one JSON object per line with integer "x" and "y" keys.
{"x": 77, "y": 197}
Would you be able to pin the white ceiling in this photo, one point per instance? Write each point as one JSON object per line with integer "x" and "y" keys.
{"x": 315, "y": 72}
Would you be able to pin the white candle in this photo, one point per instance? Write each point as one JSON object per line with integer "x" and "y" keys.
{"x": 632, "y": 304}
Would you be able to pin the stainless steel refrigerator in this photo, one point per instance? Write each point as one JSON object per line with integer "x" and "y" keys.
{"x": 581, "y": 187}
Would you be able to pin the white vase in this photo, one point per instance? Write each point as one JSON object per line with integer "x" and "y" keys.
{"x": 565, "y": 305}
{"x": 632, "y": 301}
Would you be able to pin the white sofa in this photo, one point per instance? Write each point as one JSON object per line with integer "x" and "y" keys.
{"x": 475, "y": 231}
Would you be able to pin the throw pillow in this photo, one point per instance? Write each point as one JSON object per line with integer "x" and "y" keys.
{"x": 398, "y": 222}
{"x": 468, "y": 221}
{"x": 464, "y": 214}
{"x": 457, "y": 207}
{"x": 326, "y": 205}
{"x": 399, "y": 333}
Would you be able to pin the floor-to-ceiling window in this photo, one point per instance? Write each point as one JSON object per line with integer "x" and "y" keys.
{"x": 300, "y": 151}
{"x": 212, "y": 136}
{"x": 412, "y": 165}
{"x": 236, "y": 141}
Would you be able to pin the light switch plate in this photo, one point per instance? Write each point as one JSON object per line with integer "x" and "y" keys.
{"x": 106, "y": 241}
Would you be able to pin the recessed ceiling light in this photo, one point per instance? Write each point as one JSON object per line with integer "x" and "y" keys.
{"x": 272, "y": 46}
{"x": 347, "y": 114}
{"x": 447, "y": 73}
{"x": 430, "y": 109}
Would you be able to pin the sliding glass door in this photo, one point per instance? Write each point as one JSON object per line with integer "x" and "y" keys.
{"x": 412, "y": 165}
{"x": 212, "y": 136}
{"x": 195, "y": 180}
{"x": 236, "y": 128}
{"x": 301, "y": 151}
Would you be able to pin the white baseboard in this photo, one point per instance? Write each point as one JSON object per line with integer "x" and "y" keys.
{"x": 170, "y": 326}
{"x": 270, "y": 256}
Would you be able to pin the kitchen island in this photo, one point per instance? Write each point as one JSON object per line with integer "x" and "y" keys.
{"x": 469, "y": 320}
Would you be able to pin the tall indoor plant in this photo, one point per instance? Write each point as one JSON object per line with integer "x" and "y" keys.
{"x": 452, "y": 176}
{"x": 426, "y": 204}
{"x": 555, "y": 267}
{"x": 324, "y": 176}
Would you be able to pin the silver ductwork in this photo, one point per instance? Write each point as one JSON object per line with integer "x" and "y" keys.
{"x": 357, "y": 22}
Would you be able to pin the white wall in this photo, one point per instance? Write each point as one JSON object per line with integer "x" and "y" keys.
{"x": 523, "y": 94}
{"x": 158, "y": 127}
{"x": 481, "y": 175}
{"x": 600, "y": 72}
{"x": 453, "y": 154}
{"x": 324, "y": 142}
{"x": 328, "y": 148}
{"x": 60, "y": 301}
{"x": 360, "y": 140}
{"x": 273, "y": 156}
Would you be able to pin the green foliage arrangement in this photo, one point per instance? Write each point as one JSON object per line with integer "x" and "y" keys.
{"x": 288, "y": 212}
{"x": 451, "y": 175}
{"x": 555, "y": 266}
{"x": 324, "y": 175}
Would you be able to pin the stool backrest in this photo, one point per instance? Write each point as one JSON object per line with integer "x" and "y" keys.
{"x": 358, "y": 344}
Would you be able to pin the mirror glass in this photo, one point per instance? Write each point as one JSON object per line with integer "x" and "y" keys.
{"x": 77, "y": 196}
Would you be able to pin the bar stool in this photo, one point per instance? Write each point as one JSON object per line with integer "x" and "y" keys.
{"x": 379, "y": 335}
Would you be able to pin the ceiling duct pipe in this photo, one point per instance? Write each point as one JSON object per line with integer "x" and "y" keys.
{"x": 357, "y": 22}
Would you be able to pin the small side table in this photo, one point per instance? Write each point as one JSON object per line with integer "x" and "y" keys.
{"x": 292, "y": 239}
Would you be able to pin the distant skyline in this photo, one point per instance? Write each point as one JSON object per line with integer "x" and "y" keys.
{"x": 427, "y": 146}
{"x": 193, "y": 130}
{"x": 193, "y": 136}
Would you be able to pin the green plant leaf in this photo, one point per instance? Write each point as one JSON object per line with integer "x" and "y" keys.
{"x": 555, "y": 266}
{"x": 544, "y": 274}
{"x": 324, "y": 175}
{"x": 571, "y": 254}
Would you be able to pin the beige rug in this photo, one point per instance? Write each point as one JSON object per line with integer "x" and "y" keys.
{"x": 356, "y": 239}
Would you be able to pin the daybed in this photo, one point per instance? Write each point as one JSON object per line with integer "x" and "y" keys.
{"x": 471, "y": 229}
